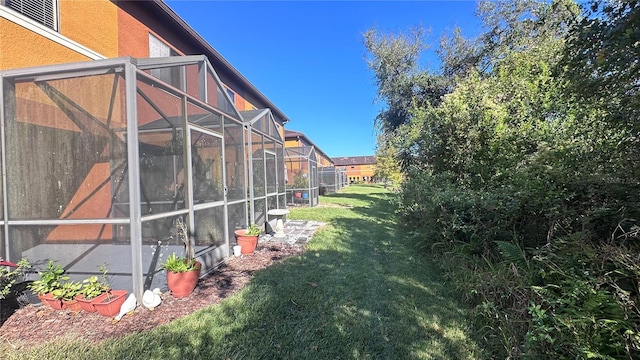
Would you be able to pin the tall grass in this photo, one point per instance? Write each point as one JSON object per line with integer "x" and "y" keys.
{"x": 360, "y": 291}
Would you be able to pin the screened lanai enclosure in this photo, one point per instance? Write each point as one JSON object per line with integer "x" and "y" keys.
{"x": 103, "y": 158}
{"x": 302, "y": 175}
{"x": 266, "y": 164}
{"x": 332, "y": 179}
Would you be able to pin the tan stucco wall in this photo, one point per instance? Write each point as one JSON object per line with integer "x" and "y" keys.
{"x": 92, "y": 24}
{"x": 20, "y": 47}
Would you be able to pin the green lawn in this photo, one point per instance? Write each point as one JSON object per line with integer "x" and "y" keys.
{"x": 360, "y": 291}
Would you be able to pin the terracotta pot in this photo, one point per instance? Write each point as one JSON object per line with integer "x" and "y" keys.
{"x": 181, "y": 284}
{"x": 85, "y": 304}
{"x": 248, "y": 243}
{"x": 55, "y": 304}
{"x": 109, "y": 303}
{"x": 72, "y": 305}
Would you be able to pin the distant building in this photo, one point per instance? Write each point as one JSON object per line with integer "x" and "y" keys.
{"x": 360, "y": 169}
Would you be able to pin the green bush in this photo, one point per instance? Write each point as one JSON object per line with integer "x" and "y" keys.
{"x": 50, "y": 279}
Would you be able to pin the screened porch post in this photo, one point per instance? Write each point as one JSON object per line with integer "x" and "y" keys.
{"x": 188, "y": 170}
{"x": 9, "y": 93}
{"x": 249, "y": 134}
{"x": 225, "y": 188}
{"x": 135, "y": 216}
{"x": 202, "y": 83}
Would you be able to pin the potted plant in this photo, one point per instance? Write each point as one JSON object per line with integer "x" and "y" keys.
{"x": 109, "y": 302}
{"x": 182, "y": 272}
{"x": 92, "y": 287}
{"x": 182, "y": 275}
{"x": 65, "y": 295}
{"x": 50, "y": 279}
{"x": 248, "y": 238}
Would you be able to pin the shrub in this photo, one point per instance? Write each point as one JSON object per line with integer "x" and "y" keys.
{"x": 8, "y": 277}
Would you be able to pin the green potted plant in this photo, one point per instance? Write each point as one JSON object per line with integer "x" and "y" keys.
{"x": 50, "y": 279}
{"x": 66, "y": 294}
{"x": 182, "y": 272}
{"x": 248, "y": 238}
{"x": 93, "y": 287}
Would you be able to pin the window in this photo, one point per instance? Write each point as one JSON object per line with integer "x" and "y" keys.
{"x": 43, "y": 11}
{"x": 170, "y": 75}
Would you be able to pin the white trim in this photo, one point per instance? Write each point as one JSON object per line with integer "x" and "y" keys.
{"x": 48, "y": 33}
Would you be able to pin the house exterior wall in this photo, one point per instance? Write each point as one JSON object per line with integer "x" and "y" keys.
{"x": 91, "y": 23}
{"x": 299, "y": 141}
{"x": 360, "y": 173}
{"x": 293, "y": 143}
{"x": 133, "y": 36}
{"x": 324, "y": 161}
{"x": 101, "y": 27}
{"x": 358, "y": 168}
{"x": 21, "y": 47}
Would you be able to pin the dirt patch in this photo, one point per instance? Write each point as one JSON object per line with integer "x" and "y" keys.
{"x": 34, "y": 325}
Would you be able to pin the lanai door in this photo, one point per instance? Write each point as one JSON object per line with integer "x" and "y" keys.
{"x": 208, "y": 193}
{"x": 271, "y": 179}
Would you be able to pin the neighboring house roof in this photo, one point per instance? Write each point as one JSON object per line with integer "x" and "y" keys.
{"x": 223, "y": 68}
{"x": 296, "y": 135}
{"x": 355, "y": 160}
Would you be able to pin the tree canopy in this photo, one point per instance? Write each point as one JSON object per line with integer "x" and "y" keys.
{"x": 520, "y": 156}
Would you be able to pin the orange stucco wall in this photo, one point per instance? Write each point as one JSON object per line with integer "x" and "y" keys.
{"x": 323, "y": 161}
{"x": 91, "y": 23}
{"x": 292, "y": 143}
{"x": 357, "y": 173}
{"x": 133, "y": 36}
{"x": 99, "y": 25}
{"x": 20, "y": 48}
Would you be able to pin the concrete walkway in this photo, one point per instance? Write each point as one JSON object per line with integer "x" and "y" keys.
{"x": 299, "y": 232}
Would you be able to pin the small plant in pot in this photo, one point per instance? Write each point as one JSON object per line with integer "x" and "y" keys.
{"x": 182, "y": 272}
{"x": 50, "y": 279}
{"x": 248, "y": 238}
{"x": 66, "y": 295}
{"x": 92, "y": 287}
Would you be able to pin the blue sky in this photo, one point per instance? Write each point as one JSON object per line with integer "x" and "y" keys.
{"x": 307, "y": 57}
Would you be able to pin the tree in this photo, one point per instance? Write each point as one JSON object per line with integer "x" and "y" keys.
{"x": 601, "y": 62}
{"x": 530, "y": 148}
{"x": 387, "y": 164}
{"x": 400, "y": 81}
{"x": 508, "y": 26}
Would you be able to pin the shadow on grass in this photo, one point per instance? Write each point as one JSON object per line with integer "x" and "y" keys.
{"x": 361, "y": 292}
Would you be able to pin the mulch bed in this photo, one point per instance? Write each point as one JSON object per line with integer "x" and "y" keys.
{"x": 33, "y": 325}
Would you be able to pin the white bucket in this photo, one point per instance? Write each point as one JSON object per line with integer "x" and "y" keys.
{"x": 236, "y": 250}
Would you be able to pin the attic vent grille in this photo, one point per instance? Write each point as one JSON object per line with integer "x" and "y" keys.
{"x": 42, "y": 11}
